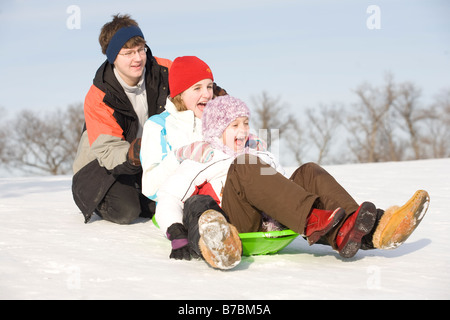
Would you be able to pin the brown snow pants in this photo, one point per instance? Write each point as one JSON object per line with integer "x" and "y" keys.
{"x": 252, "y": 186}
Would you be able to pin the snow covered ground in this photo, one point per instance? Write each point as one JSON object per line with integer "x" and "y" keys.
{"x": 47, "y": 252}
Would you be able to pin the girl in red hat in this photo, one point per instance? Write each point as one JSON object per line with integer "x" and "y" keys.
{"x": 168, "y": 137}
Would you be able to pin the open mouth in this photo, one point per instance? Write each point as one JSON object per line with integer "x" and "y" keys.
{"x": 239, "y": 142}
{"x": 201, "y": 105}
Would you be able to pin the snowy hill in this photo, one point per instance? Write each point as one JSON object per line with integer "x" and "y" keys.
{"x": 47, "y": 252}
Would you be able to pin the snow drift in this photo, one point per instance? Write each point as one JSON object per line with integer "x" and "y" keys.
{"x": 47, "y": 252}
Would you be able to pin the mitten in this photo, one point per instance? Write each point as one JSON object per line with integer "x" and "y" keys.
{"x": 178, "y": 234}
{"x": 134, "y": 152}
{"x": 254, "y": 142}
{"x": 198, "y": 151}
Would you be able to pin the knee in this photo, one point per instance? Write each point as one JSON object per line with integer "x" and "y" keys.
{"x": 307, "y": 169}
{"x": 123, "y": 212}
{"x": 311, "y": 167}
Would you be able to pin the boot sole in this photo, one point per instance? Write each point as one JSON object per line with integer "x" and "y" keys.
{"x": 363, "y": 225}
{"x": 397, "y": 224}
{"x": 219, "y": 241}
{"x": 338, "y": 215}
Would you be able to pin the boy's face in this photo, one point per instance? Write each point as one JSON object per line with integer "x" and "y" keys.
{"x": 196, "y": 97}
{"x": 236, "y": 134}
{"x": 130, "y": 64}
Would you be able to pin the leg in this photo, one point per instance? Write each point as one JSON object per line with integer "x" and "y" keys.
{"x": 193, "y": 209}
{"x": 121, "y": 203}
{"x": 209, "y": 233}
{"x": 250, "y": 189}
{"x": 317, "y": 180}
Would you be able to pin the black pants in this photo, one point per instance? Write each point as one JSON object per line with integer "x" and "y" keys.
{"x": 124, "y": 202}
{"x": 193, "y": 209}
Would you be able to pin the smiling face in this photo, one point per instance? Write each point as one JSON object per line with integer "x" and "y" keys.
{"x": 236, "y": 134}
{"x": 196, "y": 97}
{"x": 130, "y": 64}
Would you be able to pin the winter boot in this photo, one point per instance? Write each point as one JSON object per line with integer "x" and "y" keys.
{"x": 357, "y": 225}
{"x": 397, "y": 223}
{"x": 366, "y": 242}
{"x": 320, "y": 222}
{"x": 219, "y": 242}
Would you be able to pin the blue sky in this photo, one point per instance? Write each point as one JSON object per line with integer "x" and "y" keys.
{"x": 304, "y": 52}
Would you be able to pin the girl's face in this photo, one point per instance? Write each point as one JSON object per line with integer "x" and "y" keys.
{"x": 236, "y": 134}
{"x": 196, "y": 97}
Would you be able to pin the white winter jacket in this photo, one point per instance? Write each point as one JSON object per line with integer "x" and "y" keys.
{"x": 190, "y": 174}
{"x": 164, "y": 133}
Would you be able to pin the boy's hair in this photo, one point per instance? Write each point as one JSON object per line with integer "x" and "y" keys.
{"x": 110, "y": 29}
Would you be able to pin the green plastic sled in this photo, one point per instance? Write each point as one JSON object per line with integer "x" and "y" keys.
{"x": 261, "y": 243}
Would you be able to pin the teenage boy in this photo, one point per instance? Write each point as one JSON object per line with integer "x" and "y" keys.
{"x": 128, "y": 88}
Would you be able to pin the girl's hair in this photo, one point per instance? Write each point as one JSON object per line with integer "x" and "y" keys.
{"x": 179, "y": 103}
{"x": 110, "y": 29}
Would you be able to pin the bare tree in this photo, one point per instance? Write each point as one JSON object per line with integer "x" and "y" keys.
{"x": 367, "y": 125}
{"x": 296, "y": 141}
{"x": 274, "y": 117}
{"x": 323, "y": 123}
{"x": 437, "y": 126}
{"x": 408, "y": 107}
{"x": 271, "y": 115}
{"x": 44, "y": 143}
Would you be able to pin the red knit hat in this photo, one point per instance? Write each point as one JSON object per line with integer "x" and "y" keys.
{"x": 185, "y": 72}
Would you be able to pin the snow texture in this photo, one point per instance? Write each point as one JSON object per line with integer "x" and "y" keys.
{"x": 47, "y": 252}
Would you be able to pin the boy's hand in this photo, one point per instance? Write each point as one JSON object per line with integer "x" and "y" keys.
{"x": 134, "y": 152}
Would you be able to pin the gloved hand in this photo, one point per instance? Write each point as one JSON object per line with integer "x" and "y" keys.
{"x": 199, "y": 151}
{"x": 254, "y": 142}
{"x": 181, "y": 250}
{"x": 134, "y": 152}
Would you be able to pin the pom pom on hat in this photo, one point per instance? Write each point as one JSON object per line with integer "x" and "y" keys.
{"x": 219, "y": 113}
{"x": 185, "y": 72}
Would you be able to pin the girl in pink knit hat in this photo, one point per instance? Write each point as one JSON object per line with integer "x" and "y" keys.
{"x": 232, "y": 193}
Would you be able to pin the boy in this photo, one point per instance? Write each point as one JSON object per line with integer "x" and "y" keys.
{"x": 128, "y": 88}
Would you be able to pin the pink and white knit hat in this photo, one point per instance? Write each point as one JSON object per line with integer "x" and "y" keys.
{"x": 219, "y": 113}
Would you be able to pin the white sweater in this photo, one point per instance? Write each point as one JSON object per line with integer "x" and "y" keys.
{"x": 157, "y": 147}
{"x": 181, "y": 185}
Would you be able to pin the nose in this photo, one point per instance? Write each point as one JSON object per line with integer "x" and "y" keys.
{"x": 207, "y": 93}
{"x": 137, "y": 56}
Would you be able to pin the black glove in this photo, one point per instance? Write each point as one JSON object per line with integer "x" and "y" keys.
{"x": 181, "y": 250}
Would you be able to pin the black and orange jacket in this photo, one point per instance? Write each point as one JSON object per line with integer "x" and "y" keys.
{"x": 111, "y": 124}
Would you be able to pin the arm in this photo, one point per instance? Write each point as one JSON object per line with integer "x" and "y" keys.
{"x": 157, "y": 158}
{"x": 105, "y": 135}
{"x": 169, "y": 211}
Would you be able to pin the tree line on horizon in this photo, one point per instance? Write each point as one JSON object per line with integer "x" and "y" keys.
{"x": 385, "y": 123}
